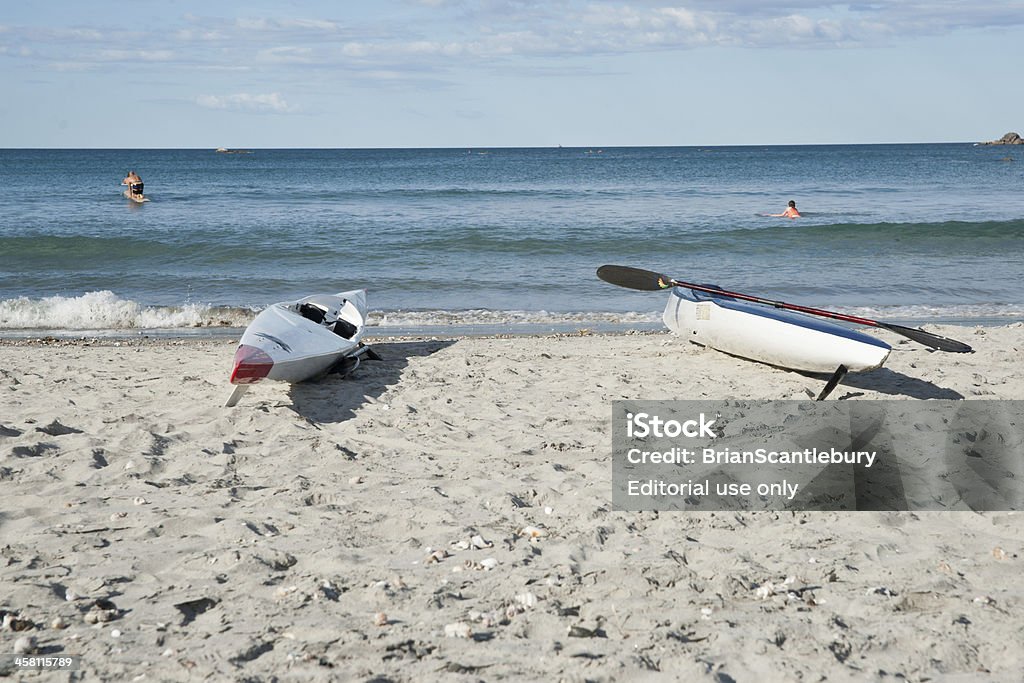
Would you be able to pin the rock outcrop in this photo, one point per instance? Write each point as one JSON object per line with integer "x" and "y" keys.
{"x": 1008, "y": 139}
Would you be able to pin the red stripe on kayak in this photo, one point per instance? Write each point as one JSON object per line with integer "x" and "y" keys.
{"x": 251, "y": 365}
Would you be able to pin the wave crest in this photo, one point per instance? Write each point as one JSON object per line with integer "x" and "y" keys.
{"x": 104, "y": 310}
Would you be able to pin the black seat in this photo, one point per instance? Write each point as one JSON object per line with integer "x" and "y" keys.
{"x": 344, "y": 328}
{"x": 311, "y": 312}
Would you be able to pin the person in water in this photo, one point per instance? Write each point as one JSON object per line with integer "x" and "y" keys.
{"x": 790, "y": 211}
{"x": 134, "y": 183}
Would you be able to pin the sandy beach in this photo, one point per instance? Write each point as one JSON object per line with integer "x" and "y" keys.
{"x": 445, "y": 513}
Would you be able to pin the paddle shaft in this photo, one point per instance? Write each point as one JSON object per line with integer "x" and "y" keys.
{"x": 779, "y": 304}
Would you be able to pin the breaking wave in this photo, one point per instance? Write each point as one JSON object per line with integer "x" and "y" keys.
{"x": 106, "y": 311}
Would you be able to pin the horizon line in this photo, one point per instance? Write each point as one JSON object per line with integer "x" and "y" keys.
{"x": 510, "y": 147}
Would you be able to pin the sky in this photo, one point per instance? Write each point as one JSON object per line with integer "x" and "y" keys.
{"x": 507, "y": 73}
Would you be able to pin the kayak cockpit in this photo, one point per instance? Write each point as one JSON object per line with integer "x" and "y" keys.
{"x": 344, "y": 319}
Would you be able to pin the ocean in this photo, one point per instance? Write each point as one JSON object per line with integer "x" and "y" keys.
{"x": 505, "y": 240}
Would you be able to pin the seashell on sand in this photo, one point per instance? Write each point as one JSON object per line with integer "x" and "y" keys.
{"x": 25, "y": 645}
{"x": 285, "y": 591}
{"x": 483, "y": 565}
{"x": 436, "y": 556}
{"x": 533, "y": 533}
{"x": 101, "y": 612}
{"x": 526, "y": 599}
{"x": 459, "y": 629}
{"x": 479, "y": 543}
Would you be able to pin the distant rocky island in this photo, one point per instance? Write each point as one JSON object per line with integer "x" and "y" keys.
{"x": 1008, "y": 139}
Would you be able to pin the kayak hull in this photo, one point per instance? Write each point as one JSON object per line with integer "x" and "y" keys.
{"x": 771, "y": 335}
{"x": 298, "y": 340}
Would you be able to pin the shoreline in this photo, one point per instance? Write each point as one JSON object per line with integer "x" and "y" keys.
{"x": 448, "y": 331}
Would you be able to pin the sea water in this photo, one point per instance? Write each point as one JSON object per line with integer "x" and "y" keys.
{"x": 506, "y": 239}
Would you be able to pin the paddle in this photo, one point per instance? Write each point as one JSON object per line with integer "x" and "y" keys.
{"x": 649, "y": 281}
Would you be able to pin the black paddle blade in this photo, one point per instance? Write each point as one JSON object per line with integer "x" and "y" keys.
{"x": 929, "y": 339}
{"x": 634, "y": 278}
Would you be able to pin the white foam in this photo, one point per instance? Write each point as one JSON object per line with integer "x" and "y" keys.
{"x": 103, "y": 310}
{"x": 481, "y": 316}
{"x": 945, "y": 312}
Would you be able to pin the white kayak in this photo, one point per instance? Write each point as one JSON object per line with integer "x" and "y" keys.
{"x": 298, "y": 340}
{"x": 772, "y": 335}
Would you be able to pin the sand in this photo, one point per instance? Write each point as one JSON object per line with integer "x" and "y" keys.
{"x": 379, "y": 527}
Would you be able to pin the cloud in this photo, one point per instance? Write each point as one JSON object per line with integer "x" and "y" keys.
{"x": 135, "y": 55}
{"x": 260, "y": 24}
{"x": 287, "y": 54}
{"x": 424, "y": 38}
{"x": 571, "y": 27}
{"x": 271, "y": 103}
{"x": 188, "y": 35}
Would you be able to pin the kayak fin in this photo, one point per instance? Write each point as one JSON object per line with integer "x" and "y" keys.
{"x": 833, "y": 382}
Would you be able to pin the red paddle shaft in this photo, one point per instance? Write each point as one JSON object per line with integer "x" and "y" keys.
{"x": 769, "y": 302}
